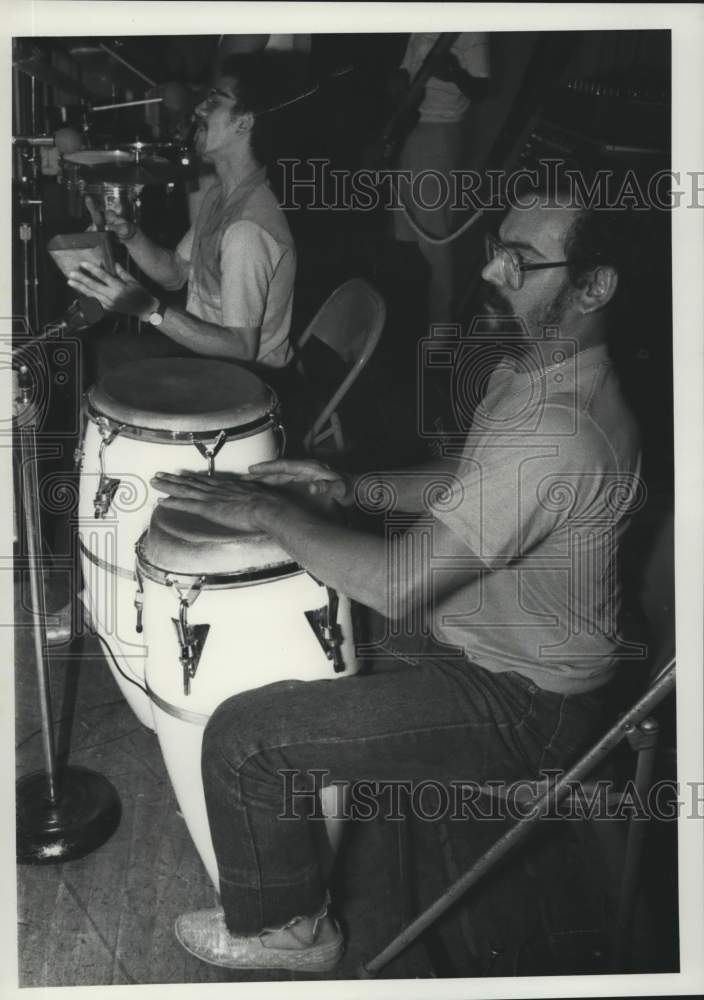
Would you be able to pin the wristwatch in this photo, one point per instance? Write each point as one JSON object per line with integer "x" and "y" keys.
{"x": 156, "y": 317}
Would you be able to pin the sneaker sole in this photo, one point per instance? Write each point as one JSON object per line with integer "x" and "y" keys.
{"x": 321, "y": 958}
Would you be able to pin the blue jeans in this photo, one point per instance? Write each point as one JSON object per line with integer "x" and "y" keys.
{"x": 409, "y": 719}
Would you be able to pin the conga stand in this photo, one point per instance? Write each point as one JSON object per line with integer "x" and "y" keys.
{"x": 63, "y": 813}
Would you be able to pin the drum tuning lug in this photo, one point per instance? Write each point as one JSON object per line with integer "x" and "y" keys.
{"x": 107, "y": 488}
{"x": 191, "y": 639}
{"x": 210, "y": 450}
{"x": 324, "y": 623}
{"x": 139, "y": 605}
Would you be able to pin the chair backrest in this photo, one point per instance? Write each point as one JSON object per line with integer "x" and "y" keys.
{"x": 350, "y": 321}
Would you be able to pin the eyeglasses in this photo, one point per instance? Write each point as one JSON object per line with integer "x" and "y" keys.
{"x": 212, "y": 98}
{"x": 512, "y": 265}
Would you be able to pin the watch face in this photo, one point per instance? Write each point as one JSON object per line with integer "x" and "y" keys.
{"x": 156, "y": 319}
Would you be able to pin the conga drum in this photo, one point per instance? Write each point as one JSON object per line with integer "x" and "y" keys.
{"x": 161, "y": 414}
{"x": 225, "y": 613}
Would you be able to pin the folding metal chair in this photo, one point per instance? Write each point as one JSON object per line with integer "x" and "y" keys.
{"x": 349, "y": 322}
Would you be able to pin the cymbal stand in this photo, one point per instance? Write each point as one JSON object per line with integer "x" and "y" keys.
{"x": 29, "y": 164}
{"x": 63, "y": 812}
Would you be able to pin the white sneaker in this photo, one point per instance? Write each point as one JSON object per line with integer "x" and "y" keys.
{"x": 203, "y": 933}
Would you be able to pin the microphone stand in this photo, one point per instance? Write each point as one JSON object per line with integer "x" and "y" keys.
{"x": 63, "y": 813}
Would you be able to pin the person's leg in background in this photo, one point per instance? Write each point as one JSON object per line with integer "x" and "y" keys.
{"x": 434, "y": 147}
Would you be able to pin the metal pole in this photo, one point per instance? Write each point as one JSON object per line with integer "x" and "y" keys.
{"x": 30, "y": 490}
{"x": 137, "y": 72}
{"x": 555, "y": 792}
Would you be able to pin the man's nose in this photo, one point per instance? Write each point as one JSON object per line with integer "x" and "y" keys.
{"x": 493, "y": 272}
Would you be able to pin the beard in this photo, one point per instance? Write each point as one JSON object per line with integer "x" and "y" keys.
{"x": 521, "y": 335}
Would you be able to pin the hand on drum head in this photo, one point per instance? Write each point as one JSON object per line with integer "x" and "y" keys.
{"x": 224, "y": 500}
{"x": 122, "y": 228}
{"x": 118, "y": 292}
{"x": 321, "y": 480}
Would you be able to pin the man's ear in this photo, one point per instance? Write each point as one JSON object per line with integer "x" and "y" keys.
{"x": 245, "y": 123}
{"x": 598, "y": 290}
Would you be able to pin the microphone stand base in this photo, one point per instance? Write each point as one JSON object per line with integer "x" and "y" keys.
{"x": 84, "y": 816}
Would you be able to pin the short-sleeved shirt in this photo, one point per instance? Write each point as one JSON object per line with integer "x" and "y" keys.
{"x": 549, "y": 474}
{"x": 241, "y": 263}
{"x": 444, "y": 101}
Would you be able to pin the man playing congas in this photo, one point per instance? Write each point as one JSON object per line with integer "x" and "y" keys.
{"x": 510, "y": 561}
{"x": 239, "y": 257}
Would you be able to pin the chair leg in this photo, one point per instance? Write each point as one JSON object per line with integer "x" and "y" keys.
{"x": 659, "y": 689}
{"x": 644, "y": 739}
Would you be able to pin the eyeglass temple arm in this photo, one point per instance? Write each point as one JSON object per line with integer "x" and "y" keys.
{"x": 543, "y": 267}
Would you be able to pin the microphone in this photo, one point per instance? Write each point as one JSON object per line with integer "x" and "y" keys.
{"x": 83, "y": 312}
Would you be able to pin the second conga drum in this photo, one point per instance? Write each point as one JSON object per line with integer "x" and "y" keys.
{"x": 160, "y": 414}
{"x": 222, "y": 615}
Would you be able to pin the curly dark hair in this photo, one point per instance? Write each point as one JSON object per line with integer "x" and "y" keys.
{"x": 263, "y": 82}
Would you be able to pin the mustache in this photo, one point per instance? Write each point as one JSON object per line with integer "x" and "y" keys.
{"x": 493, "y": 301}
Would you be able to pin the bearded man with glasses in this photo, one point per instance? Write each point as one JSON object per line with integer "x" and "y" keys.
{"x": 511, "y": 566}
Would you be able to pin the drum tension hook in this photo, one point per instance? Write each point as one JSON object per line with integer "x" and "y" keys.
{"x": 107, "y": 488}
{"x": 139, "y": 601}
{"x": 209, "y": 451}
{"x": 191, "y": 639}
{"x": 324, "y": 623}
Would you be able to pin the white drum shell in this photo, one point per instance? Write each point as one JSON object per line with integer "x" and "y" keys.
{"x": 258, "y": 634}
{"x": 109, "y": 596}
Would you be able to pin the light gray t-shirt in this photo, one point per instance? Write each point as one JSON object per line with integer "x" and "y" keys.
{"x": 549, "y": 471}
{"x": 241, "y": 263}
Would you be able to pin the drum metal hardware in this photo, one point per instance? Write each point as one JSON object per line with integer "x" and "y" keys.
{"x": 280, "y": 433}
{"x": 324, "y": 623}
{"x": 191, "y": 639}
{"x": 139, "y": 601}
{"x": 236, "y": 432}
{"x": 209, "y": 450}
{"x": 107, "y": 488}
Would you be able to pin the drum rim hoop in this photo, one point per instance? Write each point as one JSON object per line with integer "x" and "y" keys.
{"x": 182, "y": 714}
{"x": 162, "y": 435}
{"x": 212, "y": 581}
{"x": 103, "y": 564}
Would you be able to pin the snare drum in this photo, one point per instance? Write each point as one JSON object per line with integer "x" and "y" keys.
{"x": 224, "y": 614}
{"x": 162, "y": 414}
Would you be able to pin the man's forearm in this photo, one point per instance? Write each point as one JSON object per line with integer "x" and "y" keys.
{"x": 159, "y": 264}
{"x": 352, "y": 562}
{"x": 237, "y": 343}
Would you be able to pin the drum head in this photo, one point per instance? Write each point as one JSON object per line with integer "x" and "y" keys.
{"x": 183, "y": 395}
{"x": 190, "y": 545}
